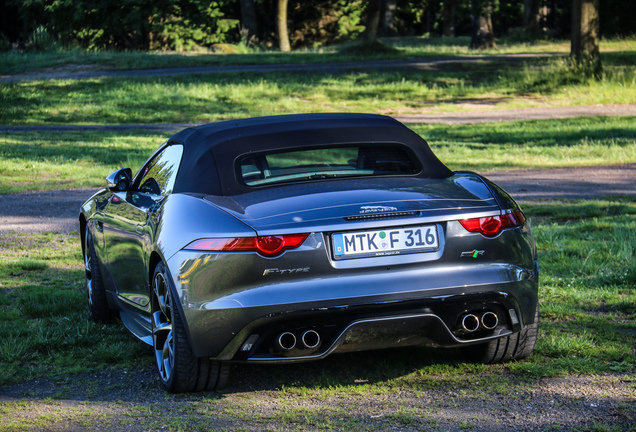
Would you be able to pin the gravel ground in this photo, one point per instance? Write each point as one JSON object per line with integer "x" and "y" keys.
{"x": 126, "y": 399}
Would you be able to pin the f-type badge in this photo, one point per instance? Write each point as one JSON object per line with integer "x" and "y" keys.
{"x": 472, "y": 254}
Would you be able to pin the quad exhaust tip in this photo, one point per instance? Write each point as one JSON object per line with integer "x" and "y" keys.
{"x": 285, "y": 341}
{"x": 489, "y": 320}
{"x": 471, "y": 322}
{"x": 310, "y": 339}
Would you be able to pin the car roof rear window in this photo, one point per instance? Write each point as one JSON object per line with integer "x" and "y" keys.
{"x": 327, "y": 162}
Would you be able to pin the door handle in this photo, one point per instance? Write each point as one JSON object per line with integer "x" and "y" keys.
{"x": 139, "y": 229}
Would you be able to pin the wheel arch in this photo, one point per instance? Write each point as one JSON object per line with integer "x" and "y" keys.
{"x": 154, "y": 260}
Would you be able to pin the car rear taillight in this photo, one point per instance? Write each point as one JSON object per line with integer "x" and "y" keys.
{"x": 491, "y": 226}
{"x": 269, "y": 246}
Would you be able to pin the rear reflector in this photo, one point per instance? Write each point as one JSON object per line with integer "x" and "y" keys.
{"x": 269, "y": 246}
{"x": 491, "y": 226}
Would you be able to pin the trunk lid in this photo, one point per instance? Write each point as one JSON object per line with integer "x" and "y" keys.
{"x": 353, "y": 204}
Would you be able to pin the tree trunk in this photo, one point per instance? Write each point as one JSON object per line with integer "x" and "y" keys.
{"x": 370, "y": 35}
{"x": 585, "y": 34}
{"x": 531, "y": 16}
{"x": 283, "y": 37}
{"x": 448, "y": 11}
{"x": 249, "y": 23}
{"x": 387, "y": 15}
{"x": 482, "y": 34}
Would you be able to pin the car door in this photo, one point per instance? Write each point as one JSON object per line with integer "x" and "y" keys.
{"x": 128, "y": 230}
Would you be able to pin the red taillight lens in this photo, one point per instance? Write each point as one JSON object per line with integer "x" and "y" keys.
{"x": 491, "y": 226}
{"x": 268, "y": 246}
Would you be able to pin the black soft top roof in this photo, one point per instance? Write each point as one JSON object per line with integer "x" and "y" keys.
{"x": 210, "y": 151}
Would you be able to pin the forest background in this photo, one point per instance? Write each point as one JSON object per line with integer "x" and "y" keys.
{"x": 235, "y": 25}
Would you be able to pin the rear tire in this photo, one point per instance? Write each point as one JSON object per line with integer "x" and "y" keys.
{"x": 178, "y": 369}
{"x": 516, "y": 346}
{"x": 98, "y": 309}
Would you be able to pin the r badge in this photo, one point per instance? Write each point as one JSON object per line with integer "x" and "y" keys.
{"x": 472, "y": 254}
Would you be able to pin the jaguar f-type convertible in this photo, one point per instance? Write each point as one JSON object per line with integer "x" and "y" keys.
{"x": 291, "y": 238}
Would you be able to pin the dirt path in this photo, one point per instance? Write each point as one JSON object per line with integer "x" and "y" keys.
{"x": 71, "y": 72}
{"x": 36, "y": 212}
{"x": 485, "y": 114}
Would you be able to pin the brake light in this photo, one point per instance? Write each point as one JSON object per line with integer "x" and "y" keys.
{"x": 269, "y": 246}
{"x": 491, "y": 226}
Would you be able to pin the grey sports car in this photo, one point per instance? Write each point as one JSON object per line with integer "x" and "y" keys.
{"x": 289, "y": 238}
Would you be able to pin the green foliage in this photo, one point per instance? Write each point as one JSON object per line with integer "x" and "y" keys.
{"x": 320, "y": 23}
{"x": 350, "y": 20}
{"x": 41, "y": 40}
{"x": 191, "y": 24}
{"x": 131, "y": 24}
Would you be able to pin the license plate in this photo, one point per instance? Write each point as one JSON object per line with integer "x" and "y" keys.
{"x": 385, "y": 242}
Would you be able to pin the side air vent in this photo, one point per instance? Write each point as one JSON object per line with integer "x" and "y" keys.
{"x": 376, "y": 216}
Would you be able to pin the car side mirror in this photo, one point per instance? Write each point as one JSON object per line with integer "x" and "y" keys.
{"x": 120, "y": 180}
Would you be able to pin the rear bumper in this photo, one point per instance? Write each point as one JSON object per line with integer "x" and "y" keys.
{"x": 380, "y": 309}
{"x": 430, "y": 322}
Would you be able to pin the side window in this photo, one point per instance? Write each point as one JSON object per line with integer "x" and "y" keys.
{"x": 160, "y": 174}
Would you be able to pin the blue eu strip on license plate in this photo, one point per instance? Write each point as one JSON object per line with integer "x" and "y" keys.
{"x": 385, "y": 242}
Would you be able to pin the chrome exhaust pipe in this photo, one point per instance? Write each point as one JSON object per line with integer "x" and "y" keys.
{"x": 310, "y": 339}
{"x": 470, "y": 323}
{"x": 285, "y": 341}
{"x": 489, "y": 320}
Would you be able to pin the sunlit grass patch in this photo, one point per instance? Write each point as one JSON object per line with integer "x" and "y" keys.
{"x": 533, "y": 144}
{"x": 43, "y": 317}
{"x": 587, "y": 288}
{"x": 65, "y": 160}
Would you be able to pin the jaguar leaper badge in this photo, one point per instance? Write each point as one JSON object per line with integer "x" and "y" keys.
{"x": 376, "y": 209}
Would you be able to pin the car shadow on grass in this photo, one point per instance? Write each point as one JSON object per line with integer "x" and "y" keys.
{"x": 138, "y": 383}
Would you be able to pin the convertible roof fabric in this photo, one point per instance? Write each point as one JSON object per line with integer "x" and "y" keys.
{"x": 210, "y": 151}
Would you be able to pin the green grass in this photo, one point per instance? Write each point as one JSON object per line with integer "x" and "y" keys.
{"x": 44, "y": 161}
{"x": 43, "y": 319}
{"x": 48, "y": 161}
{"x": 205, "y": 98}
{"x": 587, "y": 256}
{"x": 533, "y": 144}
{"x": 15, "y": 62}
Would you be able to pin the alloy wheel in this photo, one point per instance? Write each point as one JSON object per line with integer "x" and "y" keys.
{"x": 162, "y": 335}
